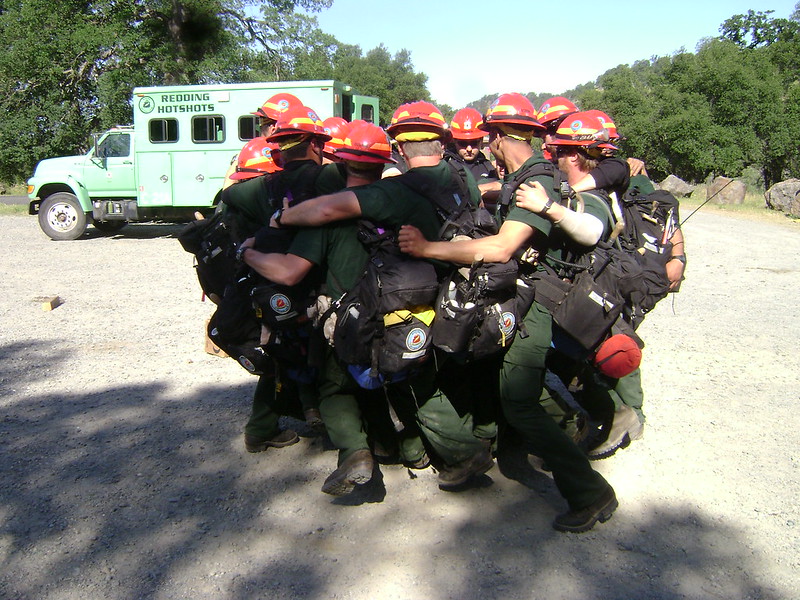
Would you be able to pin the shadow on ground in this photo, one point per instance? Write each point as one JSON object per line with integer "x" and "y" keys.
{"x": 117, "y": 494}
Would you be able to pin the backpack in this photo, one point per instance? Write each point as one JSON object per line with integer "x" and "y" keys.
{"x": 476, "y": 311}
{"x": 456, "y": 213}
{"x": 475, "y": 308}
{"x": 588, "y": 293}
{"x": 383, "y": 323}
{"x": 246, "y": 301}
{"x": 213, "y": 242}
{"x": 606, "y": 282}
{"x": 234, "y": 328}
{"x": 649, "y": 222}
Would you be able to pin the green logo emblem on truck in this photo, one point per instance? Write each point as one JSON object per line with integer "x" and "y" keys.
{"x": 146, "y": 104}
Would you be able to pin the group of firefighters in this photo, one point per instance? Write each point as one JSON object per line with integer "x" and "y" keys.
{"x": 455, "y": 415}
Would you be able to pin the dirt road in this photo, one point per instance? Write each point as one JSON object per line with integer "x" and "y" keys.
{"x": 124, "y": 475}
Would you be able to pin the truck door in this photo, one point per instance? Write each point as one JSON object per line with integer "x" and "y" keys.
{"x": 366, "y": 108}
{"x": 154, "y": 175}
{"x": 108, "y": 169}
{"x": 198, "y": 173}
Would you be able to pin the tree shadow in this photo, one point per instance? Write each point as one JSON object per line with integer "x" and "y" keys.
{"x": 130, "y": 492}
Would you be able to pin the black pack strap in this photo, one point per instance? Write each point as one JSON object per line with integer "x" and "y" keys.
{"x": 617, "y": 226}
{"x": 540, "y": 168}
{"x": 449, "y": 203}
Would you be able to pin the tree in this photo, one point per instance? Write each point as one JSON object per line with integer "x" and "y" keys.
{"x": 69, "y": 67}
{"x": 377, "y": 73}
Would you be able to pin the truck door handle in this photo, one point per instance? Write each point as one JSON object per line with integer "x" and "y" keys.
{"x": 127, "y": 162}
{"x": 164, "y": 178}
{"x": 200, "y": 178}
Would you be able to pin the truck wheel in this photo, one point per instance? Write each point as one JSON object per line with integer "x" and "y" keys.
{"x": 108, "y": 226}
{"x": 61, "y": 216}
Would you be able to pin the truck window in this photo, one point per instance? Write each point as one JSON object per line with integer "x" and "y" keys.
{"x": 115, "y": 145}
{"x": 163, "y": 130}
{"x": 367, "y": 113}
{"x": 248, "y": 127}
{"x": 208, "y": 129}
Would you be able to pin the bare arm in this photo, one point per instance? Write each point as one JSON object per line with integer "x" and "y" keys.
{"x": 319, "y": 211}
{"x": 495, "y": 248}
{"x": 285, "y": 269}
{"x": 584, "y": 228}
{"x": 675, "y": 267}
{"x": 584, "y": 185}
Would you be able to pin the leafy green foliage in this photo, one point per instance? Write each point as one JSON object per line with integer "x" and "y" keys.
{"x": 67, "y": 68}
{"x": 731, "y": 105}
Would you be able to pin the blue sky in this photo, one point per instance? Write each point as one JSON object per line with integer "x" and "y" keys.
{"x": 469, "y": 49}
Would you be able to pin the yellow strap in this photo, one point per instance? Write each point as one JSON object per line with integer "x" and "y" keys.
{"x": 422, "y": 313}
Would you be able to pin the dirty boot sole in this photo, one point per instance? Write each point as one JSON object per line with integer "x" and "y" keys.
{"x": 348, "y": 476}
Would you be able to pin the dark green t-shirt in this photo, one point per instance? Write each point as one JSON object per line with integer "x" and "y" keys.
{"x": 527, "y": 217}
{"x": 251, "y": 198}
{"x": 391, "y": 203}
{"x": 388, "y": 203}
{"x": 551, "y": 239}
{"x": 335, "y": 248}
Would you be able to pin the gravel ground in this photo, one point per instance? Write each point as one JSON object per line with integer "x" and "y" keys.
{"x": 124, "y": 474}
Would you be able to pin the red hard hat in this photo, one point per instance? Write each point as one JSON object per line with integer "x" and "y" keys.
{"x": 420, "y": 120}
{"x": 277, "y": 105}
{"x": 613, "y": 134}
{"x": 580, "y": 129}
{"x": 511, "y": 109}
{"x": 366, "y": 143}
{"x": 255, "y": 159}
{"x": 336, "y": 127}
{"x": 465, "y": 125}
{"x": 555, "y": 108}
{"x": 298, "y": 120}
{"x": 618, "y": 356}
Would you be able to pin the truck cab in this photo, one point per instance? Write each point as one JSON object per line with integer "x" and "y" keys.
{"x": 172, "y": 161}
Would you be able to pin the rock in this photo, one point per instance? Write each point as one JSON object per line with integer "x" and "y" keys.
{"x": 676, "y": 186}
{"x": 726, "y": 191}
{"x": 795, "y": 210}
{"x": 783, "y": 196}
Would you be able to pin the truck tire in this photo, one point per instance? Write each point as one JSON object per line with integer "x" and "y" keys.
{"x": 61, "y": 216}
{"x": 108, "y": 226}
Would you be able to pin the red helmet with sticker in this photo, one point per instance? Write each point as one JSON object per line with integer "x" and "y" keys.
{"x": 298, "y": 120}
{"x": 511, "y": 109}
{"x": 466, "y": 125}
{"x": 336, "y": 127}
{"x": 276, "y": 105}
{"x": 255, "y": 159}
{"x": 417, "y": 121}
{"x": 555, "y": 108}
{"x": 580, "y": 129}
{"x": 613, "y": 134}
{"x": 366, "y": 143}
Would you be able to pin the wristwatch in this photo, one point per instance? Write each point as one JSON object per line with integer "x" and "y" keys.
{"x": 277, "y": 216}
{"x": 680, "y": 257}
{"x": 547, "y": 206}
{"x": 240, "y": 253}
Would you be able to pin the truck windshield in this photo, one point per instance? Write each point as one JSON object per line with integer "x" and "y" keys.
{"x": 115, "y": 145}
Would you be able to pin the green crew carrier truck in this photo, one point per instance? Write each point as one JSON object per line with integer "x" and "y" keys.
{"x": 172, "y": 161}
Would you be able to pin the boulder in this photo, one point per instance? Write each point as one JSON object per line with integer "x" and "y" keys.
{"x": 728, "y": 191}
{"x": 782, "y": 195}
{"x": 676, "y": 186}
{"x": 795, "y": 210}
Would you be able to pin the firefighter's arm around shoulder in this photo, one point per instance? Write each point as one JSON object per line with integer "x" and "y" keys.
{"x": 584, "y": 228}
